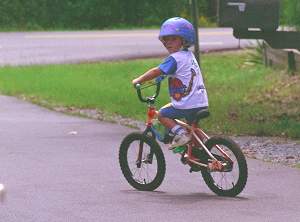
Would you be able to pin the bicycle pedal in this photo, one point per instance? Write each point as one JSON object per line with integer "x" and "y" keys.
{"x": 183, "y": 159}
{"x": 194, "y": 169}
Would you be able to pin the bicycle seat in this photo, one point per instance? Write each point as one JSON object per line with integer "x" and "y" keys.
{"x": 201, "y": 115}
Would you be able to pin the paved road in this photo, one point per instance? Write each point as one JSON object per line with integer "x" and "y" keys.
{"x": 67, "y": 47}
{"x": 53, "y": 174}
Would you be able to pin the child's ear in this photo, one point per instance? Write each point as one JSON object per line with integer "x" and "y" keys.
{"x": 182, "y": 41}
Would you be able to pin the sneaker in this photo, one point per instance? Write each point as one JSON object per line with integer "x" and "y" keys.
{"x": 180, "y": 140}
{"x": 179, "y": 149}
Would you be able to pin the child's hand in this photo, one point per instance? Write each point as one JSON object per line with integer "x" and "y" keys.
{"x": 135, "y": 81}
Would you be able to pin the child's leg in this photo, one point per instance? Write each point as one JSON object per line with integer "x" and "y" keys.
{"x": 166, "y": 116}
{"x": 167, "y": 122}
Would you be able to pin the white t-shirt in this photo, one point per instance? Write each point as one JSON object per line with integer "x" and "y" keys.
{"x": 186, "y": 87}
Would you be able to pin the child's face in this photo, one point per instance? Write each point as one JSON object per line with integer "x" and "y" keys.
{"x": 172, "y": 43}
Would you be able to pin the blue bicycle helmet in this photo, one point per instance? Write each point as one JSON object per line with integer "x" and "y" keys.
{"x": 179, "y": 27}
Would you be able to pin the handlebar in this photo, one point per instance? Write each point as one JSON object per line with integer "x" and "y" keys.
{"x": 148, "y": 99}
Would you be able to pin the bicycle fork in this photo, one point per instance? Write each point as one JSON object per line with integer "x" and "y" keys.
{"x": 149, "y": 156}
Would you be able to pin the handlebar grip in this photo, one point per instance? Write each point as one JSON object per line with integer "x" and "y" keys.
{"x": 137, "y": 86}
{"x": 139, "y": 93}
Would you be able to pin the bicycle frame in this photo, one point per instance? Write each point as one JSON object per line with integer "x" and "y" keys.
{"x": 198, "y": 136}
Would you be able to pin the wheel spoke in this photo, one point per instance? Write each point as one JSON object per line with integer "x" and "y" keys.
{"x": 232, "y": 179}
{"x": 136, "y": 166}
{"x": 224, "y": 180}
{"x": 146, "y": 173}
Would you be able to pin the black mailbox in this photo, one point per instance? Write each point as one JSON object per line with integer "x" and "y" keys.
{"x": 244, "y": 14}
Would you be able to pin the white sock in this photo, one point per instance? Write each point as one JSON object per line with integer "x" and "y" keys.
{"x": 178, "y": 130}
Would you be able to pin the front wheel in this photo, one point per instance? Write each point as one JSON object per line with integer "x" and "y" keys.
{"x": 142, "y": 161}
{"x": 231, "y": 180}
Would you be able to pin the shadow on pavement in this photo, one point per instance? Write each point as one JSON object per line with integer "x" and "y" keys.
{"x": 179, "y": 198}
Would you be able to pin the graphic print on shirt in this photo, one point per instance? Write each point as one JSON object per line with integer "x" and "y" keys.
{"x": 178, "y": 89}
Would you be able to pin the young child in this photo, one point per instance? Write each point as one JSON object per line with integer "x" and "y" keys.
{"x": 186, "y": 87}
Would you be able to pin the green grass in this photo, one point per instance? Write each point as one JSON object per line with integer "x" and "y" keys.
{"x": 244, "y": 98}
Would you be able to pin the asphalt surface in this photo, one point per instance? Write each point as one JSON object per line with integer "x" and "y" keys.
{"x": 63, "y": 168}
{"x": 25, "y": 48}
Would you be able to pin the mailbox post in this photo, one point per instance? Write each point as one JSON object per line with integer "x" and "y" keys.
{"x": 194, "y": 9}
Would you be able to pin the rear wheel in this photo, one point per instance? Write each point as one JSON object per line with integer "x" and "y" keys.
{"x": 144, "y": 173}
{"x": 232, "y": 179}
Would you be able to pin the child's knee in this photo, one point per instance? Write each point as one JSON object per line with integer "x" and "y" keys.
{"x": 159, "y": 116}
{"x": 163, "y": 118}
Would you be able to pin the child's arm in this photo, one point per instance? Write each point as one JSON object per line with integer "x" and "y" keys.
{"x": 150, "y": 74}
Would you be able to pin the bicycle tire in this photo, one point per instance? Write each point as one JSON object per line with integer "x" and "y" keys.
{"x": 209, "y": 177}
{"x": 140, "y": 183}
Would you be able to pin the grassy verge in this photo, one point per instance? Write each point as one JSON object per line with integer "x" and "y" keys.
{"x": 244, "y": 98}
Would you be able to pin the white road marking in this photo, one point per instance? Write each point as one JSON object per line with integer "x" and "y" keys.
{"x": 211, "y": 43}
{"x": 110, "y": 35}
{"x": 83, "y": 36}
{"x": 216, "y": 33}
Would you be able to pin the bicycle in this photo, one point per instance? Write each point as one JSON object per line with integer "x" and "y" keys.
{"x": 219, "y": 159}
